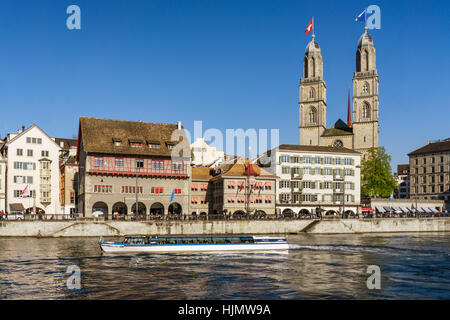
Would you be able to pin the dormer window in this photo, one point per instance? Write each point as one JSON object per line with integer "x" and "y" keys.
{"x": 136, "y": 144}
{"x": 170, "y": 145}
{"x": 153, "y": 145}
{"x": 117, "y": 142}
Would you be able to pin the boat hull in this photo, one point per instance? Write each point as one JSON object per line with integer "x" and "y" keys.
{"x": 112, "y": 247}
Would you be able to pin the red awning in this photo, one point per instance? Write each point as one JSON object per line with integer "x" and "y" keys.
{"x": 367, "y": 209}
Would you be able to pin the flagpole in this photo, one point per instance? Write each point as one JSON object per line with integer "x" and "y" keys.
{"x": 313, "y": 34}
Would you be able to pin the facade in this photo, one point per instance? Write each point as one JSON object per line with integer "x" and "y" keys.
{"x": 402, "y": 178}
{"x": 201, "y": 191}
{"x": 204, "y": 155}
{"x": 314, "y": 179}
{"x": 429, "y": 168}
{"x": 124, "y": 162}
{"x": 362, "y": 133}
{"x": 240, "y": 187}
{"x": 68, "y": 169}
{"x": 2, "y": 180}
{"x": 32, "y": 164}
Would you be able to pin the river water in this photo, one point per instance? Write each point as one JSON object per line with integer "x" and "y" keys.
{"x": 413, "y": 266}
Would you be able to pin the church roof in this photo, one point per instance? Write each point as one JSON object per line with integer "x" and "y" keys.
{"x": 438, "y": 146}
{"x": 312, "y": 46}
{"x": 365, "y": 40}
{"x": 336, "y": 132}
{"x": 340, "y": 128}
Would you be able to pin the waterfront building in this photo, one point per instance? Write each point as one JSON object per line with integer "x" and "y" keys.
{"x": 124, "y": 162}
{"x": 429, "y": 168}
{"x": 402, "y": 178}
{"x": 201, "y": 191}
{"x": 240, "y": 187}
{"x": 315, "y": 179}
{"x": 68, "y": 169}
{"x": 32, "y": 175}
{"x": 205, "y": 155}
{"x": 359, "y": 134}
{"x": 2, "y": 180}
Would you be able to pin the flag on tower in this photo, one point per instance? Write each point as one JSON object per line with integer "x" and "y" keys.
{"x": 310, "y": 26}
{"x": 362, "y": 16}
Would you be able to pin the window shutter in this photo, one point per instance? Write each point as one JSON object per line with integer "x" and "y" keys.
{"x": 301, "y": 171}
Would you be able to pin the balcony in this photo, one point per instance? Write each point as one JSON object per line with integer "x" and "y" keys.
{"x": 296, "y": 176}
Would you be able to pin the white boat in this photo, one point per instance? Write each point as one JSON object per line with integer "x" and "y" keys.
{"x": 194, "y": 243}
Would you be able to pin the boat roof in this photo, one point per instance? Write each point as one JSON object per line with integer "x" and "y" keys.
{"x": 190, "y": 236}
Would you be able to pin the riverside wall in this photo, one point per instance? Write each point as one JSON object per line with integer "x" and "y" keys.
{"x": 120, "y": 228}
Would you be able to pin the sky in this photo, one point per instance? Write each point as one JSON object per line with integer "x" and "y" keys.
{"x": 231, "y": 64}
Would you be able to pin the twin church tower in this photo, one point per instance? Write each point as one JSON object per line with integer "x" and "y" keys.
{"x": 359, "y": 134}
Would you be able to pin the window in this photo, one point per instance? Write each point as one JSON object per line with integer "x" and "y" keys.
{"x": 139, "y": 164}
{"x": 157, "y": 190}
{"x": 313, "y": 115}
{"x": 338, "y": 160}
{"x": 284, "y": 159}
{"x": 311, "y": 93}
{"x": 338, "y": 144}
{"x": 98, "y": 161}
{"x": 39, "y": 141}
{"x": 29, "y": 180}
{"x": 45, "y": 165}
{"x": 153, "y": 145}
{"x": 117, "y": 143}
{"x": 365, "y": 88}
{"x": 348, "y": 161}
{"x": 177, "y": 166}
{"x": 317, "y": 160}
{"x": 28, "y": 139}
{"x": 19, "y": 152}
{"x": 29, "y": 153}
{"x": 157, "y": 164}
{"x": 285, "y": 170}
{"x": 136, "y": 144}
{"x": 72, "y": 197}
{"x": 44, "y": 153}
{"x": 307, "y": 159}
{"x": 170, "y": 146}
{"x": 18, "y": 165}
{"x": 102, "y": 189}
{"x": 327, "y": 160}
{"x": 284, "y": 184}
{"x": 119, "y": 162}
{"x": 366, "y": 111}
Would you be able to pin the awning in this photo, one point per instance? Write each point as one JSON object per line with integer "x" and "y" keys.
{"x": 420, "y": 209}
{"x": 367, "y": 209}
{"x": 435, "y": 210}
{"x": 16, "y": 207}
{"x": 405, "y": 210}
{"x": 428, "y": 210}
{"x": 380, "y": 209}
{"x": 413, "y": 210}
{"x": 397, "y": 209}
{"x": 387, "y": 208}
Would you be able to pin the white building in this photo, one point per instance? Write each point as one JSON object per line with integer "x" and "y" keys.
{"x": 32, "y": 161}
{"x": 205, "y": 155}
{"x": 402, "y": 178}
{"x": 2, "y": 180}
{"x": 315, "y": 179}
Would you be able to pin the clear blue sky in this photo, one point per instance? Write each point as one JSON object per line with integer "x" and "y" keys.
{"x": 232, "y": 64}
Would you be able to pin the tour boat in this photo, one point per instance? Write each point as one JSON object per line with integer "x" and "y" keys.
{"x": 194, "y": 243}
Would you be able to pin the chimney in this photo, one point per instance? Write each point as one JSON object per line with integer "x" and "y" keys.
{"x": 179, "y": 125}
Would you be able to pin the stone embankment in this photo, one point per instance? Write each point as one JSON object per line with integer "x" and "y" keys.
{"x": 200, "y": 227}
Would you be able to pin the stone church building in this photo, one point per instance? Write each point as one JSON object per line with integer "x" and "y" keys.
{"x": 359, "y": 134}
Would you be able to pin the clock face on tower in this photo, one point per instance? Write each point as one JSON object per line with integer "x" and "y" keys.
{"x": 338, "y": 144}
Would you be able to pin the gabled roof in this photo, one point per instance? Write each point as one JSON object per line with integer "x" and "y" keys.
{"x": 28, "y": 129}
{"x": 239, "y": 167}
{"x": 438, "y": 146}
{"x": 98, "y": 136}
{"x": 67, "y": 143}
{"x": 335, "y": 132}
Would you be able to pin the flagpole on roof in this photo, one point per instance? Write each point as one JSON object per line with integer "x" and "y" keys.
{"x": 313, "y": 34}
{"x": 365, "y": 20}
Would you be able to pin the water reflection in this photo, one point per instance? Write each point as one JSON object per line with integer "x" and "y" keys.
{"x": 315, "y": 267}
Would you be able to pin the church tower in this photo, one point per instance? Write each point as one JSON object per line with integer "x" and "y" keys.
{"x": 365, "y": 96}
{"x": 313, "y": 93}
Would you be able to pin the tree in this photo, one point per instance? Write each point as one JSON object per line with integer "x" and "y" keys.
{"x": 376, "y": 173}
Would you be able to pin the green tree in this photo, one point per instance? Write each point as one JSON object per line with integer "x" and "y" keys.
{"x": 376, "y": 173}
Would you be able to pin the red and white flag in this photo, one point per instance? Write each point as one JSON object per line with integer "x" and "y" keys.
{"x": 26, "y": 191}
{"x": 309, "y": 27}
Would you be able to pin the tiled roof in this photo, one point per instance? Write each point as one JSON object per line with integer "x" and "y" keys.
{"x": 100, "y": 135}
{"x": 201, "y": 173}
{"x": 438, "y": 146}
{"x": 294, "y": 147}
{"x": 335, "y": 132}
{"x": 67, "y": 143}
{"x": 239, "y": 169}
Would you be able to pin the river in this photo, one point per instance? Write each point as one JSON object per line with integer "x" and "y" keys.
{"x": 412, "y": 265}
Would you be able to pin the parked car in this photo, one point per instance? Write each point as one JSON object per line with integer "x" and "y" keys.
{"x": 15, "y": 215}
